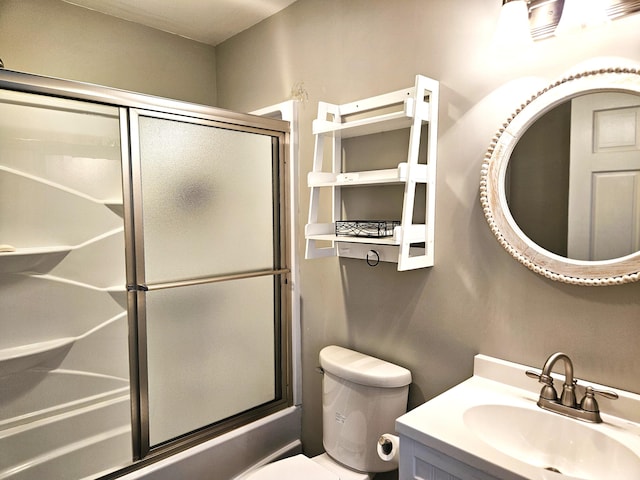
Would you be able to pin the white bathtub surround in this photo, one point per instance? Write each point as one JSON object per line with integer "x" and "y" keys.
{"x": 64, "y": 370}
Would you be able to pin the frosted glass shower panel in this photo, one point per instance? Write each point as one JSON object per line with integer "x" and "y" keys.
{"x": 211, "y": 353}
{"x": 207, "y": 195}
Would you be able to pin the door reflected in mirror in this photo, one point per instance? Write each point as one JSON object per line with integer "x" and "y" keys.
{"x": 573, "y": 179}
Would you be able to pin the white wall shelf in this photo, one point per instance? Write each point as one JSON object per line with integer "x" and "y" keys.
{"x": 368, "y": 126}
{"x": 371, "y": 177}
{"x": 32, "y": 260}
{"x": 41, "y": 260}
{"x": 412, "y": 245}
{"x": 326, "y": 232}
{"x": 23, "y": 357}
{"x": 114, "y": 204}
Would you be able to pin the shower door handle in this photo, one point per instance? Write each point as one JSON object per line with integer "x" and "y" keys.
{"x": 215, "y": 279}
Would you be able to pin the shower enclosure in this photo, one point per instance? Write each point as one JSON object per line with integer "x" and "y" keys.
{"x": 144, "y": 276}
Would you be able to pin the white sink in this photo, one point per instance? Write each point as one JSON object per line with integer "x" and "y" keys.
{"x": 552, "y": 442}
{"x": 491, "y": 424}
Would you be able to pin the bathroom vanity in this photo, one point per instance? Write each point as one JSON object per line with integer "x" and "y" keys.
{"x": 491, "y": 428}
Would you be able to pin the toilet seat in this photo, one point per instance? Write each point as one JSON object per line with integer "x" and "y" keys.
{"x": 298, "y": 466}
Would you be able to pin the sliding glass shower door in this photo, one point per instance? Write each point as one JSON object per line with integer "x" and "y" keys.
{"x": 193, "y": 340}
{"x": 208, "y": 272}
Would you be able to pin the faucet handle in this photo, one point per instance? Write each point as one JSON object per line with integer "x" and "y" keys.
{"x": 532, "y": 374}
{"x": 541, "y": 377}
{"x": 547, "y": 392}
{"x": 589, "y": 402}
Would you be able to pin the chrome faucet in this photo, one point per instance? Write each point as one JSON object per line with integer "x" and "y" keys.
{"x": 587, "y": 410}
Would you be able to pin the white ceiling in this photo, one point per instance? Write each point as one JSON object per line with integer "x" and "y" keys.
{"x": 207, "y": 21}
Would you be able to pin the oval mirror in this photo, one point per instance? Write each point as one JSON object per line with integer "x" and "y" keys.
{"x": 560, "y": 184}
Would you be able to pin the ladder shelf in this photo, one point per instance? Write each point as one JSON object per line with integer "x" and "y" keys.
{"x": 412, "y": 245}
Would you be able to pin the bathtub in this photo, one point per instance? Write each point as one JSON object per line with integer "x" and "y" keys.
{"x": 82, "y": 426}
{"x": 62, "y": 425}
{"x": 232, "y": 455}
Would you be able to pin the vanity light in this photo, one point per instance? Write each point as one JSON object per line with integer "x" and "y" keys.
{"x": 580, "y": 14}
{"x": 513, "y": 25}
{"x": 545, "y": 18}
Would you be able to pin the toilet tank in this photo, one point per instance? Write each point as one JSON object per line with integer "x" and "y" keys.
{"x": 361, "y": 398}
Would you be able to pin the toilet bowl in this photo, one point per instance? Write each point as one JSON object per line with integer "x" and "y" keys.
{"x": 301, "y": 467}
{"x": 361, "y": 398}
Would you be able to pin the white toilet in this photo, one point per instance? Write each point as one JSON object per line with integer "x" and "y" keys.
{"x": 361, "y": 398}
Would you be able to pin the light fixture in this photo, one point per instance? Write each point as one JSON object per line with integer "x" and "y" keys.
{"x": 580, "y": 14}
{"x": 549, "y": 17}
{"x": 513, "y": 26}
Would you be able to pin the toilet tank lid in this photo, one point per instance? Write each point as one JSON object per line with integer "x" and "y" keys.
{"x": 363, "y": 369}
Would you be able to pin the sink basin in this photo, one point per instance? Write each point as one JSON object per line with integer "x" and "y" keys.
{"x": 552, "y": 442}
{"x": 490, "y": 427}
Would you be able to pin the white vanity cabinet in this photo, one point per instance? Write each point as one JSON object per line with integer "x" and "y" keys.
{"x": 419, "y": 462}
{"x": 409, "y": 244}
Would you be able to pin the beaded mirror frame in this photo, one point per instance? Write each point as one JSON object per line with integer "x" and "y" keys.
{"x": 493, "y": 174}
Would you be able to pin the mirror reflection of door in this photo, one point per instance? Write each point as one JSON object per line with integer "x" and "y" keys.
{"x": 604, "y": 180}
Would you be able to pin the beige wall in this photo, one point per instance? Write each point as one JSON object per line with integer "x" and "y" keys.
{"x": 476, "y": 298}
{"x": 53, "y": 38}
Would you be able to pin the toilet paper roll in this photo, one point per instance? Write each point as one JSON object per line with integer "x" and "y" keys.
{"x": 388, "y": 447}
